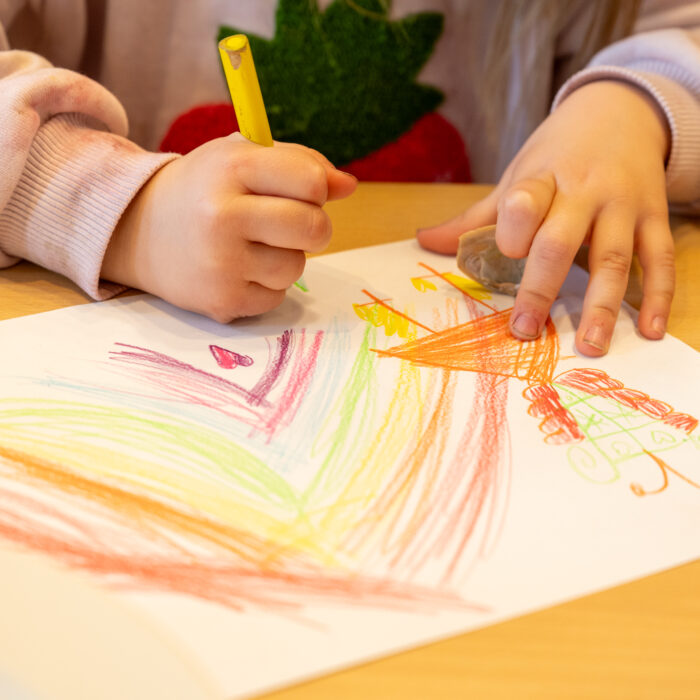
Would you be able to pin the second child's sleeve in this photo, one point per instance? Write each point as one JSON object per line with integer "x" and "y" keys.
{"x": 665, "y": 63}
{"x": 67, "y": 171}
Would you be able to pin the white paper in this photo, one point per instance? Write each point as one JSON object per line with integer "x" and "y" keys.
{"x": 332, "y": 482}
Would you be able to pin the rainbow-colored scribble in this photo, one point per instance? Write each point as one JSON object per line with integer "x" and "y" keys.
{"x": 310, "y": 482}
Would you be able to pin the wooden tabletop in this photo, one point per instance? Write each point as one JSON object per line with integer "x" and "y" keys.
{"x": 640, "y": 640}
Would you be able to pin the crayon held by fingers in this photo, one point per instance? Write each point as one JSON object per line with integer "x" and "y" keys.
{"x": 242, "y": 80}
{"x": 244, "y": 86}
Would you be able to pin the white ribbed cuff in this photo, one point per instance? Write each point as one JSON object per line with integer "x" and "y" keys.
{"x": 75, "y": 186}
{"x": 682, "y": 111}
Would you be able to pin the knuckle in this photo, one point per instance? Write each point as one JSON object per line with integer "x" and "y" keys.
{"x": 318, "y": 229}
{"x": 554, "y": 252}
{"x": 663, "y": 294}
{"x": 285, "y": 270}
{"x": 221, "y": 304}
{"x": 604, "y": 310}
{"x": 665, "y": 261}
{"x": 535, "y": 298}
{"x": 656, "y": 215}
{"x": 517, "y": 201}
{"x": 620, "y": 198}
{"x": 615, "y": 262}
{"x": 220, "y": 312}
{"x": 240, "y": 160}
{"x": 316, "y": 182}
{"x": 209, "y": 214}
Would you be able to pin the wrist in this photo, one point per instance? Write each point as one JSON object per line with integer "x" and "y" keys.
{"x": 125, "y": 254}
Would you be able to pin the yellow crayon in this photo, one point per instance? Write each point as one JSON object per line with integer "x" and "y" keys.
{"x": 244, "y": 87}
{"x": 242, "y": 80}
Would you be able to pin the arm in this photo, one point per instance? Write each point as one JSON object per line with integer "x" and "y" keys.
{"x": 67, "y": 172}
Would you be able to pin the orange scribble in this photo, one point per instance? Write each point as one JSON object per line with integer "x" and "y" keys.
{"x": 485, "y": 344}
{"x": 639, "y": 490}
{"x": 156, "y": 545}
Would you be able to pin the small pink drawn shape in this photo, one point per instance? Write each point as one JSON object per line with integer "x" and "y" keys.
{"x": 227, "y": 359}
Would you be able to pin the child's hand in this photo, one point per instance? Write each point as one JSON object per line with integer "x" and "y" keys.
{"x": 593, "y": 171}
{"x": 223, "y": 230}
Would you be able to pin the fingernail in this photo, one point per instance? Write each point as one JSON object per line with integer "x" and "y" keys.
{"x": 658, "y": 325}
{"x": 345, "y": 172}
{"x": 595, "y": 337}
{"x": 525, "y": 326}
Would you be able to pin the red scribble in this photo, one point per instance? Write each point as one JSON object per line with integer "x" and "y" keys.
{"x": 455, "y": 499}
{"x": 228, "y": 359}
{"x": 598, "y": 383}
{"x": 558, "y": 424}
{"x": 238, "y": 572}
{"x": 485, "y": 345}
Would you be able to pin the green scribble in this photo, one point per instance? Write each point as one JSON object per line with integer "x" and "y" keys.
{"x": 301, "y": 284}
{"x": 178, "y": 446}
{"x": 351, "y": 416}
{"x": 616, "y": 432}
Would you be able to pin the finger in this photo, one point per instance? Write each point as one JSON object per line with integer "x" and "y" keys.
{"x": 281, "y": 172}
{"x": 551, "y": 254}
{"x": 521, "y": 210}
{"x": 282, "y": 223}
{"x": 443, "y": 238}
{"x": 311, "y": 151}
{"x": 229, "y": 301}
{"x": 609, "y": 259}
{"x": 340, "y": 183}
{"x": 656, "y": 256}
{"x": 274, "y": 268}
{"x": 251, "y": 300}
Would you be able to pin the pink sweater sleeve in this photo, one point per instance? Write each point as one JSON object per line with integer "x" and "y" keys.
{"x": 68, "y": 170}
{"x": 665, "y": 64}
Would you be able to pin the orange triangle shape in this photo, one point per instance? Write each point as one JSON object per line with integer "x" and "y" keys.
{"x": 485, "y": 345}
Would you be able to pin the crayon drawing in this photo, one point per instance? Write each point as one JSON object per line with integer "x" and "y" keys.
{"x": 386, "y": 452}
{"x": 574, "y": 406}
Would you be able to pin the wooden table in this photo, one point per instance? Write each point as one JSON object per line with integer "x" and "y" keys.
{"x": 641, "y": 640}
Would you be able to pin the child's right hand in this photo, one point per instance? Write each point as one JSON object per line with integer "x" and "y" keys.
{"x": 223, "y": 230}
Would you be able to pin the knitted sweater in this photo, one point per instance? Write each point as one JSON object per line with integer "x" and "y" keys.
{"x": 71, "y": 71}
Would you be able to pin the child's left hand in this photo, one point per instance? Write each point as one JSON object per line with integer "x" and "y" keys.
{"x": 592, "y": 172}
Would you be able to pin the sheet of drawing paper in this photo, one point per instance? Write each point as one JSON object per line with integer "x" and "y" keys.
{"x": 374, "y": 465}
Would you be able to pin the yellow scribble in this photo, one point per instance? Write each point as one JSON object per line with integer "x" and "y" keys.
{"x": 422, "y": 284}
{"x": 468, "y": 286}
{"x": 383, "y": 317}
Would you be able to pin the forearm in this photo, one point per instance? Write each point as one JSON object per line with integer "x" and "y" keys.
{"x": 72, "y": 191}
{"x": 67, "y": 172}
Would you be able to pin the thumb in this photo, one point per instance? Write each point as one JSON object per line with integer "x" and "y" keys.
{"x": 443, "y": 237}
